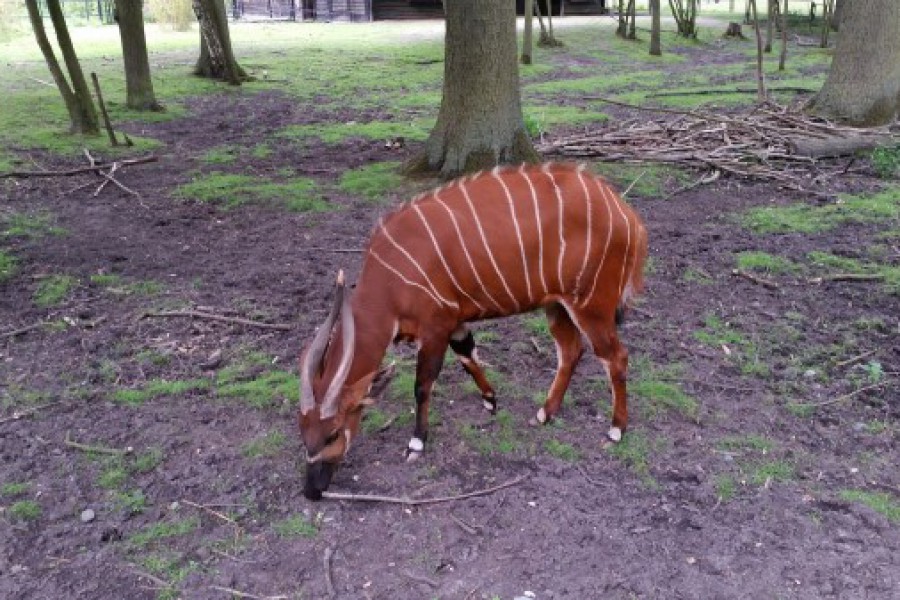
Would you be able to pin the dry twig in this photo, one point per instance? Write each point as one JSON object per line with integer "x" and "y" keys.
{"x": 329, "y": 584}
{"x": 97, "y": 449}
{"x": 239, "y": 594}
{"x": 28, "y": 411}
{"x": 755, "y": 279}
{"x": 418, "y": 502}
{"x": 199, "y": 314}
{"x": 79, "y": 170}
{"x": 848, "y": 396}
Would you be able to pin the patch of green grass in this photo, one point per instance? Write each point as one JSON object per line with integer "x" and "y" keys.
{"x": 133, "y": 502}
{"x": 8, "y": 265}
{"x": 881, "y": 502}
{"x": 749, "y": 441}
{"x": 170, "y": 568}
{"x": 695, "y": 275}
{"x": 886, "y": 162}
{"x": 269, "y": 444}
{"x": 261, "y": 151}
{"x": 502, "y": 438}
{"x": 29, "y": 226}
{"x": 296, "y": 526}
{"x": 536, "y": 325}
{"x": 645, "y": 181}
{"x": 657, "y": 390}
{"x": 372, "y": 182}
{"x": 164, "y": 530}
{"x": 743, "y": 351}
{"x": 53, "y": 289}
{"x": 634, "y": 452}
{"x": 157, "y": 388}
{"x": 13, "y": 489}
{"x": 220, "y": 155}
{"x": 373, "y": 420}
{"x": 765, "y": 262}
{"x": 726, "y": 488}
{"x": 889, "y": 274}
{"x": 113, "y": 476}
{"x": 146, "y": 462}
{"x": 298, "y": 194}
{"x": 561, "y": 450}
{"x": 24, "y": 510}
{"x": 807, "y": 218}
{"x": 776, "y": 470}
{"x": 263, "y": 390}
{"x": 334, "y": 133}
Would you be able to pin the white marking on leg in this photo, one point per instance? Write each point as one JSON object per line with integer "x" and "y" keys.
{"x": 488, "y": 405}
{"x": 349, "y": 436}
{"x": 440, "y": 254}
{"x": 462, "y": 243}
{"x": 515, "y": 222}
{"x": 562, "y": 238}
{"x": 615, "y": 434}
{"x": 609, "y": 228}
{"x": 405, "y": 280}
{"x": 418, "y": 267}
{"x": 487, "y": 247}
{"x": 416, "y": 445}
{"x": 541, "y": 415}
{"x": 540, "y": 229}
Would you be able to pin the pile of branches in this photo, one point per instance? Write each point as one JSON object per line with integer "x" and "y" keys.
{"x": 766, "y": 142}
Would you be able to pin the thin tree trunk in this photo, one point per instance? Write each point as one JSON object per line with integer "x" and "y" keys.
{"x": 77, "y": 97}
{"x": 527, "y": 34}
{"x": 760, "y": 76}
{"x": 770, "y": 25}
{"x": 138, "y": 83}
{"x": 784, "y": 36}
{"x": 655, "y": 45}
{"x": 827, "y": 6}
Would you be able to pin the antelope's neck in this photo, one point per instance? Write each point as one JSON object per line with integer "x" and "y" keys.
{"x": 374, "y": 333}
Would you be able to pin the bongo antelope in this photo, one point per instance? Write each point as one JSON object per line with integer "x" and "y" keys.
{"x": 497, "y": 243}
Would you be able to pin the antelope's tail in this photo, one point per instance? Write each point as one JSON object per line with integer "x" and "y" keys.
{"x": 635, "y": 284}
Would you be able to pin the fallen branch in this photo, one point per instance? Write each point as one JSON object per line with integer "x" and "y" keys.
{"x": 97, "y": 449}
{"x": 239, "y": 594}
{"x": 103, "y": 112}
{"x": 851, "y": 395}
{"x": 199, "y": 314}
{"x": 707, "y": 92}
{"x": 419, "y": 578}
{"x": 162, "y": 583}
{"x": 412, "y": 502}
{"x": 848, "y": 277}
{"x": 326, "y": 560}
{"x": 856, "y": 358}
{"x": 28, "y": 411}
{"x": 21, "y": 330}
{"x": 756, "y": 279}
{"x": 79, "y": 170}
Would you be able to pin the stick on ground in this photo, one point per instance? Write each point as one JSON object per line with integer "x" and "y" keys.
{"x": 199, "y": 314}
{"x": 418, "y": 502}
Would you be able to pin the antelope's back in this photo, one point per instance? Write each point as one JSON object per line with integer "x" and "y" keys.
{"x": 514, "y": 238}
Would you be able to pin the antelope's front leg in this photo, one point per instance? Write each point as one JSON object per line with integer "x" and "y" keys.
{"x": 428, "y": 366}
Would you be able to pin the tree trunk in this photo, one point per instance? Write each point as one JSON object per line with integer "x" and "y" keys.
{"x": 480, "y": 122}
{"x": 655, "y": 46}
{"x": 863, "y": 85}
{"x": 78, "y": 100}
{"x": 838, "y": 15}
{"x": 217, "y": 59}
{"x": 760, "y": 75}
{"x": 770, "y": 23}
{"x": 527, "y": 44}
{"x": 784, "y": 36}
{"x": 138, "y": 84}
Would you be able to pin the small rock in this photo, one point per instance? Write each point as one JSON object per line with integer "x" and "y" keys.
{"x": 87, "y": 515}
{"x": 174, "y": 506}
{"x": 810, "y": 373}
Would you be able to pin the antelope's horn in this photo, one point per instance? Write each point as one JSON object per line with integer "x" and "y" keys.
{"x": 348, "y": 328}
{"x": 313, "y": 359}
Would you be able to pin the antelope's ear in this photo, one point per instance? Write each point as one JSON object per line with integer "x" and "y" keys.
{"x": 380, "y": 383}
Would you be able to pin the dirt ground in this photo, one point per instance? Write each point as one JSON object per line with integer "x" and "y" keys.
{"x": 746, "y": 495}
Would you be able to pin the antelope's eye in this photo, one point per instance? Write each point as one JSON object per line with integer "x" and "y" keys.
{"x": 332, "y": 438}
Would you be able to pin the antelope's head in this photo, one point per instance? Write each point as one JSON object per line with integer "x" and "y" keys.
{"x": 330, "y": 407}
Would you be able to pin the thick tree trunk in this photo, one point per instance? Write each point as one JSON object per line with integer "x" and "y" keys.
{"x": 655, "y": 46}
{"x": 863, "y": 85}
{"x": 79, "y": 104}
{"x": 138, "y": 84}
{"x": 217, "y": 59}
{"x": 480, "y": 121}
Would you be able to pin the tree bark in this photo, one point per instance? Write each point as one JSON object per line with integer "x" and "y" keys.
{"x": 770, "y": 24}
{"x": 527, "y": 37}
{"x": 480, "y": 121}
{"x": 863, "y": 84}
{"x": 655, "y": 45}
{"x": 217, "y": 59}
{"x": 77, "y": 97}
{"x": 782, "y": 59}
{"x": 138, "y": 83}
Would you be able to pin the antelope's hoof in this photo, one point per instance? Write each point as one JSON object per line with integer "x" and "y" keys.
{"x": 614, "y": 434}
{"x": 412, "y": 456}
{"x": 414, "y": 449}
{"x": 540, "y": 418}
{"x": 490, "y": 405}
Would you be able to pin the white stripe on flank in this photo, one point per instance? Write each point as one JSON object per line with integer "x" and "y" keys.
{"x": 540, "y": 229}
{"x": 627, "y": 243}
{"x": 418, "y": 267}
{"x": 387, "y": 266}
{"x": 465, "y": 194}
{"x": 440, "y": 254}
{"x": 562, "y": 239}
{"x": 515, "y": 220}
{"x": 462, "y": 243}
{"x": 589, "y": 235}
{"x": 609, "y": 225}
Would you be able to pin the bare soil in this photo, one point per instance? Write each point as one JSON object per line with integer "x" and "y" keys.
{"x": 745, "y": 497}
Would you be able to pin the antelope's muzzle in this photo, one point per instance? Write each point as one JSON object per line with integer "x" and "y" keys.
{"x": 318, "y": 478}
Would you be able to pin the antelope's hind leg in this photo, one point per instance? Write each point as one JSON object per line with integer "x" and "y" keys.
{"x": 462, "y": 342}
{"x": 568, "y": 351}
{"x": 601, "y": 332}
